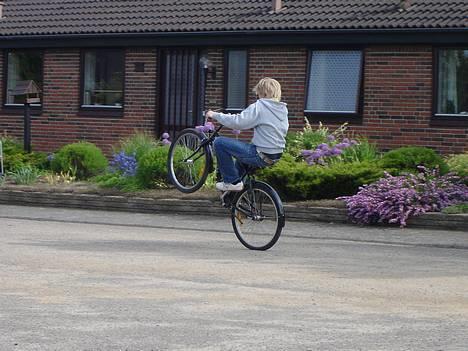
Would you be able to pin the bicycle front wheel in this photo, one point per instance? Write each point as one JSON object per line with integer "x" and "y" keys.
{"x": 189, "y": 161}
{"x": 258, "y": 217}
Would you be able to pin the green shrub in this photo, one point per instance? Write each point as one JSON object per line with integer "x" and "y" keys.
{"x": 24, "y": 175}
{"x": 298, "y": 181}
{"x": 38, "y": 160}
{"x": 407, "y": 159}
{"x": 362, "y": 152}
{"x": 82, "y": 159}
{"x": 117, "y": 181}
{"x": 310, "y": 138}
{"x": 458, "y": 164}
{"x": 152, "y": 167}
{"x": 13, "y": 154}
{"x": 137, "y": 144}
{"x": 456, "y": 209}
{"x": 14, "y": 157}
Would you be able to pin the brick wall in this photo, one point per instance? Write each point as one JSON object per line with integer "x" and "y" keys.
{"x": 397, "y": 95}
{"x": 215, "y": 80}
{"x": 288, "y": 66}
{"x": 398, "y": 101}
{"x": 61, "y": 120}
{"x": 396, "y": 112}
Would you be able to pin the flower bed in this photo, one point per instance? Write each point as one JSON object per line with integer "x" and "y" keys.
{"x": 394, "y": 199}
{"x": 317, "y": 165}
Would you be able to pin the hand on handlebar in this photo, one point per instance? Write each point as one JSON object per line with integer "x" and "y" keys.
{"x": 209, "y": 114}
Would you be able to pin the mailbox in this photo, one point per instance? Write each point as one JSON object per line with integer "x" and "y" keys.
{"x": 31, "y": 91}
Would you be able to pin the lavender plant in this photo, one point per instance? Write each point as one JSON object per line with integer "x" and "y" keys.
{"x": 394, "y": 199}
{"x": 324, "y": 152}
{"x": 124, "y": 164}
{"x": 311, "y": 137}
{"x": 165, "y": 139}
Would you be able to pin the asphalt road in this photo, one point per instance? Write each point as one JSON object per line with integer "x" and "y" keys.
{"x": 90, "y": 280}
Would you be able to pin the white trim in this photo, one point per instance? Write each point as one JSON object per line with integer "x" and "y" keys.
{"x": 322, "y": 111}
{"x": 103, "y": 106}
{"x": 452, "y": 114}
{"x": 15, "y": 105}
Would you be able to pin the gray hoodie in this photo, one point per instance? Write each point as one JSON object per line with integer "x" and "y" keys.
{"x": 268, "y": 118}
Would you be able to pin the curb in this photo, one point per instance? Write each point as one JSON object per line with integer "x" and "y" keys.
{"x": 192, "y": 206}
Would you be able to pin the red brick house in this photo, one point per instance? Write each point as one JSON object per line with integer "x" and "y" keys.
{"x": 397, "y": 71}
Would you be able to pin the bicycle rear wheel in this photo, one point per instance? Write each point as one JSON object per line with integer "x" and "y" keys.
{"x": 189, "y": 162}
{"x": 258, "y": 217}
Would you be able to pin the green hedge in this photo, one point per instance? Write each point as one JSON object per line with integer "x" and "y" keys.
{"x": 299, "y": 181}
{"x": 407, "y": 159}
{"x": 82, "y": 159}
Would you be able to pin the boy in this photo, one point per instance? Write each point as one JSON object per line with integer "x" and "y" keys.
{"x": 269, "y": 119}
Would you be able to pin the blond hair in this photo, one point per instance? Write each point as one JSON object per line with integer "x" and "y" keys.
{"x": 268, "y": 88}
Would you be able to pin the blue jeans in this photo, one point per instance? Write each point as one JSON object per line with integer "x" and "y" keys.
{"x": 226, "y": 149}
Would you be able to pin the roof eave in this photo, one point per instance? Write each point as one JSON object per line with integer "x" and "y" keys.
{"x": 252, "y": 37}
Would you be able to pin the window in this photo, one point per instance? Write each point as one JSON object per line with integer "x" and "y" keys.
{"x": 334, "y": 81}
{"x": 22, "y": 65}
{"x": 236, "y": 79}
{"x": 452, "y": 83}
{"x": 103, "y": 78}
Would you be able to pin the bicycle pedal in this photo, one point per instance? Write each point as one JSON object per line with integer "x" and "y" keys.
{"x": 226, "y": 199}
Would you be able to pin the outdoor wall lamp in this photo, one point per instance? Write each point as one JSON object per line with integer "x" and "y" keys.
{"x": 208, "y": 66}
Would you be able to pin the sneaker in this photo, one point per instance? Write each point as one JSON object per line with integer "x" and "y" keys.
{"x": 221, "y": 186}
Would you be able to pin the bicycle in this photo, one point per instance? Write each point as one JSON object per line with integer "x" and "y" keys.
{"x": 257, "y": 213}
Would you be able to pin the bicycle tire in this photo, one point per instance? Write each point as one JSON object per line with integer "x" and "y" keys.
{"x": 188, "y": 168}
{"x": 246, "y": 223}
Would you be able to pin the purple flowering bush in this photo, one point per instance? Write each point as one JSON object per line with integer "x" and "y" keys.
{"x": 321, "y": 146}
{"x": 340, "y": 165}
{"x": 310, "y": 138}
{"x": 394, "y": 199}
{"x": 165, "y": 139}
{"x": 137, "y": 164}
{"x": 125, "y": 164}
{"x": 325, "y": 152}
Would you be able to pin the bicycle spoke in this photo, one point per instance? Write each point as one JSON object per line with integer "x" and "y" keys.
{"x": 256, "y": 219}
{"x": 188, "y": 161}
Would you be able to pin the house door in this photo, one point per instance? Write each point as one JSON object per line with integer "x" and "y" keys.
{"x": 182, "y": 90}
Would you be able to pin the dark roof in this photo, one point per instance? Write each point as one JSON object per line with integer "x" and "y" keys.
{"x": 43, "y": 17}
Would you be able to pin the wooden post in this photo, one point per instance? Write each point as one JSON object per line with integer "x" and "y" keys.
{"x": 27, "y": 127}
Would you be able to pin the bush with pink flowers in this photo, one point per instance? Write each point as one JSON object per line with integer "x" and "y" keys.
{"x": 394, "y": 199}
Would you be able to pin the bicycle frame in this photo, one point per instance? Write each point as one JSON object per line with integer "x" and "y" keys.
{"x": 207, "y": 141}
